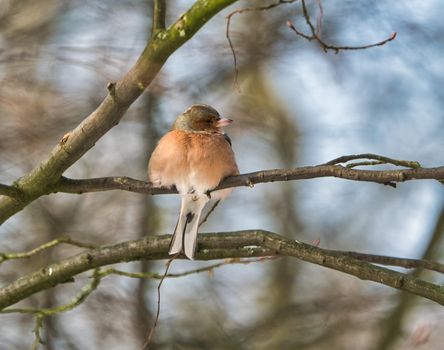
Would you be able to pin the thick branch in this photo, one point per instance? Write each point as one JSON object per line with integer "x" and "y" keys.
{"x": 303, "y": 173}
{"x": 252, "y": 243}
{"x": 122, "y": 94}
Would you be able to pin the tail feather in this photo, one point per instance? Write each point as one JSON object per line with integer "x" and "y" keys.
{"x": 185, "y": 233}
{"x": 176, "y": 242}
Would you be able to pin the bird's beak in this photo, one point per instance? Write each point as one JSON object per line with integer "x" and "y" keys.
{"x": 223, "y": 122}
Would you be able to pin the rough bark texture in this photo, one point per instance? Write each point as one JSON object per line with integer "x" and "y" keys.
{"x": 303, "y": 173}
{"x": 252, "y": 243}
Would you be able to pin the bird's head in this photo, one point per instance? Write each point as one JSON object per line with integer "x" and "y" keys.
{"x": 200, "y": 117}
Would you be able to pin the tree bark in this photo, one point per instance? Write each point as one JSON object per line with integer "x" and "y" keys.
{"x": 253, "y": 243}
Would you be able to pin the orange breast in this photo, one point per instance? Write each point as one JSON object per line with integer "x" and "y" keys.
{"x": 191, "y": 160}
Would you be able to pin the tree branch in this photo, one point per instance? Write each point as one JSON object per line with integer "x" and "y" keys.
{"x": 77, "y": 300}
{"x": 159, "y": 13}
{"x": 37, "y": 328}
{"x": 250, "y": 179}
{"x": 395, "y": 261}
{"x": 41, "y": 313}
{"x": 227, "y": 30}
{"x": 10, "y": 191}
{"x": 254, "y": 243}
{"x": 77, "y": 142}
{"x": 315, "y": 33}
{"x": 382, "y": 159}
{"x": 45, "y": 246}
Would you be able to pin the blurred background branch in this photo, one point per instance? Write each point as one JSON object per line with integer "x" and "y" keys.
{"x": 316, "y": 30}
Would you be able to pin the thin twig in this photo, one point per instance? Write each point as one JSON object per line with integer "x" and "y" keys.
{"x": 368, "y": 163}
{"x": 153, "y": 275}
{"x": 382, "y": 159}
{"x": 319, "y": 19}
{"x": 236, "y": 69}
{"x": 307, "y": 18}
{"x": 315, "y": 34}
{"x": 45, "y": 246}
{"x": 227, "y": 31}
{"x": 153, "y": 328}
{"x": 159, "y": 13}
{"x": 37, "y": 328}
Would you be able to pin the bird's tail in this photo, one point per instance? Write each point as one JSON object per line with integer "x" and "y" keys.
{"x": 185, "y": 233}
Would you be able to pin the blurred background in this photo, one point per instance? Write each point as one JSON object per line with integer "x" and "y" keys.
{"x": 297, "y": 106}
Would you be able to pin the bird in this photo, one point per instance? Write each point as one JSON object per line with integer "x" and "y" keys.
{"x": 194, "y": 157}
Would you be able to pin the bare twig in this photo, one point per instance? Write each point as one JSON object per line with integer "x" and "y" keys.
{"x": 77, "y": 300}
{"x": 156, "y": 319}
{"x": 236, "y": 69}
{"x": 159, "y": 13}
{"x": 307, "y": 17}
{"x": 319, "y": 19}
{"x": 382, "y": 159}
{"x": 37, "y": 328}
{"x": 45, "y": 246}
{"x": 153, "y": 275}
{"x": 227, "y": 31}
{"x": 315, "y": 34}
{"x": 365, "y": 163}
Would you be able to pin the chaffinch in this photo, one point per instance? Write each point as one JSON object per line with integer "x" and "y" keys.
{"x": 194, "y": 156}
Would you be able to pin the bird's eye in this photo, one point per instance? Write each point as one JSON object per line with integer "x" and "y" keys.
{"x": 209, "y": 121}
